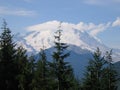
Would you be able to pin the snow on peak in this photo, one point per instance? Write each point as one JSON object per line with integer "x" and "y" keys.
{"x": 72, "y": 34}
{"x": 51, "y": 25}
{"x": 43, "y": 34}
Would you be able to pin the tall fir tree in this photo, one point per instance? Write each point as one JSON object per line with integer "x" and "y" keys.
{"x": 7, "y": 60}
{"x": 62, "y": 69}
{"x": 100, "y": 74}
{"x": 92, "y": 79}
{"x": 32, "y": 69}
{"x": 42, "y": 77}
{"x": 109, "y": 78}
{"x": 24, "y": 69}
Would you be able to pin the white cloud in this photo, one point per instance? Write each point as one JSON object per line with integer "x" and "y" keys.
{"x": 82, "y": 26}
{"x": 92, "y": 28}
{"x": 86, "y": 27}
{"x": 101, "y": 2}
{"x": 51, "y": 25}
{"x": 99, "y": 28}
{"x": 16, "y": 12}
{"x": 116, "y": 22}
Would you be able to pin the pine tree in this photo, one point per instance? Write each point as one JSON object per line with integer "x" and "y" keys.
{"x": 109, "y": 74}
{"x": 92, "y": 79}
{"x": 24, "y": 69}
{"x": 42, "y": 79}
{"x": 62, "y": 69}
{"x": 7, "y": 60}
{"x": 100, "y": 74}
{"x": 32, "y": 69}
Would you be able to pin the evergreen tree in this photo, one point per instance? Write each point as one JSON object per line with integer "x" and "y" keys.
{"x": 62, "y": 69}
{"x": 42, "y": 77}
{"x": 109, "y": 78}
{"x": 92, "y": 79}
{"x": 100, "y": 74}
{"x": 7, "y": 60}
{"x": 32, "y": 69}
{"x": 24, "y": 70}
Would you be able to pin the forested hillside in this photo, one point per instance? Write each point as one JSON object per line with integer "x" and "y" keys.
{"x": 18, "y": 71}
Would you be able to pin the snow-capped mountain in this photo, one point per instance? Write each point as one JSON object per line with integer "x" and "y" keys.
{"x": 43, "y": 34}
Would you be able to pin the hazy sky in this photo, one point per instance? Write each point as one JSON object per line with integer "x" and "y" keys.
{"x": 101, "y": 16}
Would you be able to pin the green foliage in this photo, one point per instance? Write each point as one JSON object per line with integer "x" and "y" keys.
{"x": 24, "y": 69}
{"x": 94, "y": 70}
{"x": 110, "y": 74}
{"x": 20, "y": 72}
{"x": 100, "y": 74}
{"x": 15, "y": 68}
{"x": 7, "y": 60}
{"x": 42, "y": 77}
{"x": 62, "y": 69}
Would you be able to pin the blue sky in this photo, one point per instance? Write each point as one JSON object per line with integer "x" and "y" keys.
{"x": 104, "y": 14}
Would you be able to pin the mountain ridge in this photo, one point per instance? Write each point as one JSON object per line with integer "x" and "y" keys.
{"x": 43, "y": 34}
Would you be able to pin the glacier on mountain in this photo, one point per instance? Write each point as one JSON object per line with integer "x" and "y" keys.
{"x": 43, "y": 34}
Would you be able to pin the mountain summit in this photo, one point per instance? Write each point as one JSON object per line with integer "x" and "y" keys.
{"x": 43, "y": 34}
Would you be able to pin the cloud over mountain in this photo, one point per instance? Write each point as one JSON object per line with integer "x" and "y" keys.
{"x": 81, "y": 35}
{"x": 116, "y": 22}
{"x": 92, "y": 28}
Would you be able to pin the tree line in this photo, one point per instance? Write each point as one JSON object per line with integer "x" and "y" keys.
{"x": 20, "y": 72}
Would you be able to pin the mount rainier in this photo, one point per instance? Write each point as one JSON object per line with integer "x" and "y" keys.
{"x": 81, "y": 43}
{"x": 71, "y": 34}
